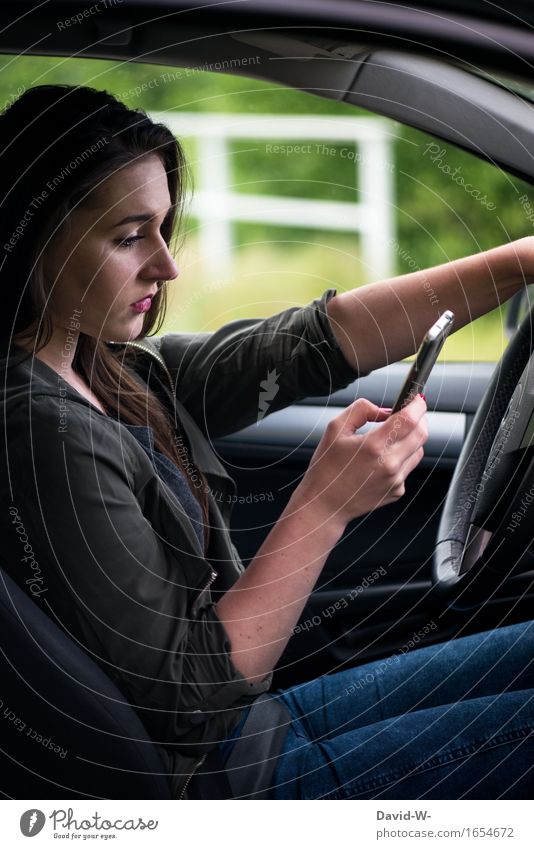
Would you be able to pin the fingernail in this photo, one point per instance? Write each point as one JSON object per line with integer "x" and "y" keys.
{"x": 422, "y": 396}
{"x": 386, "y": 409}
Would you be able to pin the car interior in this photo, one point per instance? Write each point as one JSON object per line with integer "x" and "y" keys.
{"x": 394, "y": 581}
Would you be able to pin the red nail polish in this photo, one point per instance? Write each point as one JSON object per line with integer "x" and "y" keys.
{"x": 422, "y": 396}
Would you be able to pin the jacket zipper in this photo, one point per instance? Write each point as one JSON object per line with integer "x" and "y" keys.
{"x": 189, "y": 777}
{"x": 213, "y": 575}
{"x": 203, "y": 758}
{"x": 210, "y": 581}
{"x": 203, "y": 590}
{"x": 157, "y": 357}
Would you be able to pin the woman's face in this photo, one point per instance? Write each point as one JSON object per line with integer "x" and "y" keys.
{"x": 102, "y": 265}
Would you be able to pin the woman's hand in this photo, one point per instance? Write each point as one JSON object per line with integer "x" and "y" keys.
{"x": 351, "y": 474}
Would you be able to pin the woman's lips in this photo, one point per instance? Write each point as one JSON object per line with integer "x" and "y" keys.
{"x": 143, "y": 305}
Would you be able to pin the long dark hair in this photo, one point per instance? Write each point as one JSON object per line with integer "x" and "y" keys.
{"x": 57, "y": 144}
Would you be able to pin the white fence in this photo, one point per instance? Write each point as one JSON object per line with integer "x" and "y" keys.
{"x": 217, "y": 205}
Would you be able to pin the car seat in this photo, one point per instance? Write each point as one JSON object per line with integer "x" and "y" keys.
{"x": 66, "y": 730}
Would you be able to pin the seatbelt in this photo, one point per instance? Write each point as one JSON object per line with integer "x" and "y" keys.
{"x": 253, "y": 759}
{"x": 249, "y": 769}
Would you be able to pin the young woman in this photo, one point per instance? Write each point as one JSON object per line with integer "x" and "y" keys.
{"x": 107, "y": 466}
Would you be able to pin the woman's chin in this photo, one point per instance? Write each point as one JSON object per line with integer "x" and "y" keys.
{"x": 124, "y": 331}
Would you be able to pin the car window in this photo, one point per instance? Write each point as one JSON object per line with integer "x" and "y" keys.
{"x": 314, "y": 193}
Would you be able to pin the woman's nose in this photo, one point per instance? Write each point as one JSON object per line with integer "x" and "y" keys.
{"x": 172, "y": 269}
{"x": 163, "y": 265}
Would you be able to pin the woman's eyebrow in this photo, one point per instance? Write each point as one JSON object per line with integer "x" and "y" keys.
{"x": 139, "y": 216}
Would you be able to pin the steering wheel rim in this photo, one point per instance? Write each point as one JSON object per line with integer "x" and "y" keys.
{"x": 468, "y": 589}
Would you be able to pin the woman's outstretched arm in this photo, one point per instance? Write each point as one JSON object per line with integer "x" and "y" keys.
{"x": 384, "y": 322}
{"x": 349, "y": 475}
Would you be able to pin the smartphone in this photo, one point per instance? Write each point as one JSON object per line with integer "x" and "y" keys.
{"x": 424, "y": 360}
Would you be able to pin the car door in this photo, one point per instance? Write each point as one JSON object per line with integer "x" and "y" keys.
{"x": 375, "y": 595}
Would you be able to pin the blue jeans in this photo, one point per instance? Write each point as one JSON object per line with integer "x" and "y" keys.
{"x": 448, "y": 721}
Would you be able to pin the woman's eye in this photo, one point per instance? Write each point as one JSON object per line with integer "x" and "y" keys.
{"x": 129, "y": 241}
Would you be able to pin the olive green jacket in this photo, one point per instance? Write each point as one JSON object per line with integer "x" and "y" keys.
{"x": 119, "y": 565}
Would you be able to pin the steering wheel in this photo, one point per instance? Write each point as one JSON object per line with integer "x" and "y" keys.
{"x": 485, "y": 532}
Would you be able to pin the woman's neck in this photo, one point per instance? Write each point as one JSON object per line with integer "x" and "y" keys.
{"x": 58, "y": 353}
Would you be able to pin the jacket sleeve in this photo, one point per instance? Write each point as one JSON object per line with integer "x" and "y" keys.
{"x": 127, "y": 594}
{"x": 249, "y": 368}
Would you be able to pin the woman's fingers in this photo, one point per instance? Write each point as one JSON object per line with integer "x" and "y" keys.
{"x": 402, "y": 447}
{"x": 398, "y": 425}
{"x": 397, "y": 488}
{"x": 359, "y": 413}
{"x": 406, "y": 419}
{"x": 416, "y": 438}
{"x": 412, "y": 461}
{"x": 408, "y": 424}
{"x": 356, "y": 473}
